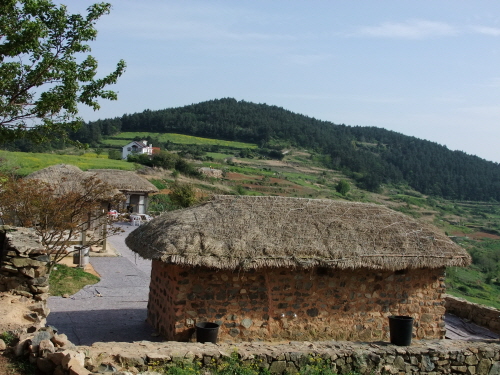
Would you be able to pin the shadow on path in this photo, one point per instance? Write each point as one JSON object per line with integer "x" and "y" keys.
{"x": 87, "y": 327}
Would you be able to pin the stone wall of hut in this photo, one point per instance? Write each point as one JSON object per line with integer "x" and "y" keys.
{"x": 283, "y": 304}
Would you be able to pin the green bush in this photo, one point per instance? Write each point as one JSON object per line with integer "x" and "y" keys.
{"x": 183, "y": 195}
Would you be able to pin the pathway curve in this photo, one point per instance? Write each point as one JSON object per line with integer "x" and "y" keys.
{"x": 113, "y": 309}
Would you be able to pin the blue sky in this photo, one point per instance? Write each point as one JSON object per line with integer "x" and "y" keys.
{"x": 429, "y": 69}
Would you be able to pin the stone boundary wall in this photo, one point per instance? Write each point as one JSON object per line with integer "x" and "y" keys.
{"x": 484, "y": 316}
{"x": 422, "y": 357}
{"x": 53, "y": 354}
{"x": 23, "y": 269}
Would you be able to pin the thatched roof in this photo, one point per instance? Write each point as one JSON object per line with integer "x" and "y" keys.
{"x": 68, "y": 176}
{"x": 62, "y": 177}
{"x": 232, "y": 232}
{"x": 124, "y": 180}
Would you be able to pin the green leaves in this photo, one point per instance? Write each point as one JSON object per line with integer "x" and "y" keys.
{"x": 41, "y": 80}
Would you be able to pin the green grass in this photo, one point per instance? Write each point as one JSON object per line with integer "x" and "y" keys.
{"x": 123, "y": 138}
{"x": 69, "y": 280}
{"x": 25, "y": 163}
{"x": 470, "y": 284}
{"x": 218, "y": 155}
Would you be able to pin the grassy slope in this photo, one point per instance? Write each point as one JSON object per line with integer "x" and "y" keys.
{"x": 125, "y": 137}
{"x": 26, "y": 163}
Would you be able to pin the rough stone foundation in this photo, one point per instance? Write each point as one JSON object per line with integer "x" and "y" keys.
{"x": 285, "y": 304}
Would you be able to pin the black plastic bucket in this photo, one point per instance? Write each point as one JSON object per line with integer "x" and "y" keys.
{"x": 401, "y": 329}
{"x": 207, "y": 332}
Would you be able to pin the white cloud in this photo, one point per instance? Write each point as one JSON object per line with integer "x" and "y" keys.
{"x": 412, "y": 29}
{"x": 493, "y": 31}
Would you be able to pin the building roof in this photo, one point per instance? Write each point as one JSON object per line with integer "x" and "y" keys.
{"x": 234, "y": 232}
{"x": 139, "y": 144}
{"x": 69, "y": 176}
{"x": 124, "y": 180}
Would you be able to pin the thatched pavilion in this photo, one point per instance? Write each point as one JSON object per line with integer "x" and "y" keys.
{"x": 274, "y": 268}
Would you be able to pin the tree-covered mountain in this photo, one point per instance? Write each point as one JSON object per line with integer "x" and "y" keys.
{"x": 370, "y": 155}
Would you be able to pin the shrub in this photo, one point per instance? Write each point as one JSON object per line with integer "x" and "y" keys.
{"x": 183, "y": 195}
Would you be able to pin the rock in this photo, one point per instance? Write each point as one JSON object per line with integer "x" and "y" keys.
{"x": 27, "y": 271}
{"x": 45, "y": 347}
{"x": 65, "y": 295}
{"x": 40, "y": 336}
{"x": 23, "y": 293}
{"x": 3, "y": 346}
{"x": 42, "y": 297}
{"x": 39, "y": 289}
{"x": 32, "y": 316}
{"x": 131, "y": 360}
{"x": 60, "y": 340}
{"x": 57, "y": 357}
{"x": 40, "y": 271}
{"x": 26, "y": 262}
{"x": 72, "y": 359}
{"x": 45, "y": 365}
{"x": 40, "y": 281}
{"x": 277, "y": 367}
{"x": 78, "y": 370}
{"x": 158, "y": 357}
{"x": 40, "y": 308}
{"x": 9, "y": 268}
{"x": 247, "y": 323}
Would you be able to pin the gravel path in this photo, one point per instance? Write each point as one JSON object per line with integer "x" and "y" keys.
{"x": 113, "y": 309}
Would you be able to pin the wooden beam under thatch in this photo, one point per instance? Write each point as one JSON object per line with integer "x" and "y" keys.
{"x": 232, "y": 232}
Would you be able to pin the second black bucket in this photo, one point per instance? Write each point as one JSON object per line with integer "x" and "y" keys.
{"x": 401, "y": 329}
{"x": 207, "y": 332}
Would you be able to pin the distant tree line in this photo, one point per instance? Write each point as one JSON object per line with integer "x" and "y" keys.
{"x": 371, "y": 156}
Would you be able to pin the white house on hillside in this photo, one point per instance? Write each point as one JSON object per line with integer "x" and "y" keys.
{"x": 137, "y": 147}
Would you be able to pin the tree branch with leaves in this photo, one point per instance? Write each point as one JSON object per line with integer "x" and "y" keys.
{"x": 43, "y": 76}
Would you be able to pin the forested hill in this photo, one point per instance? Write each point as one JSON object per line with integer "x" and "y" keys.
{"x": 370, "y": 155}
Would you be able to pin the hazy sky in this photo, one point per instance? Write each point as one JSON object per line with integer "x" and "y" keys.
{"x": 426, "y": 68}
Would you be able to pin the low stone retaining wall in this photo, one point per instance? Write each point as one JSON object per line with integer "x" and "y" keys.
{"x": 422, "y": 357}
{"x": 484, "y": 316}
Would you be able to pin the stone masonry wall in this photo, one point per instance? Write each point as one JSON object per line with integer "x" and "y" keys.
{"x": 283, "y": 304}
{"x": 23, "y": 268}
{"x": 484, "y": 316}
{"x": 53, "y": 354}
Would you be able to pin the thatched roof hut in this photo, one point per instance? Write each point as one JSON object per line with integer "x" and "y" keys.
{"x": 65, "y": 178}
{"x": 232, "y": 232}
{"x": 274, "y": 268}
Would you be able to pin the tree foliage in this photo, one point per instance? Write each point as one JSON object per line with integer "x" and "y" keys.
{"x": 58, "y": 213}
{"x": 183, "y": 194}
{"x": 43, "y": 77}
{"x": 342, "y": 187}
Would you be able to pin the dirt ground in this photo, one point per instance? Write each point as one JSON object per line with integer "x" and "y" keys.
{"x": 13, "y": 309}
